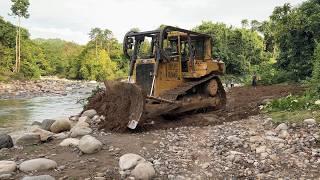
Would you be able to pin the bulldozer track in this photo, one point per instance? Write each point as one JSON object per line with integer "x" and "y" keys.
{"x": 180, "y": 90}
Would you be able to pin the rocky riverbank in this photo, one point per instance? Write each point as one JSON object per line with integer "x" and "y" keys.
{"x": 47, "y": 86}
{"x": 251, "y": 148}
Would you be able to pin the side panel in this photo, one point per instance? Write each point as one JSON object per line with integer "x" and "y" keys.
{"x": 168, "y": 77}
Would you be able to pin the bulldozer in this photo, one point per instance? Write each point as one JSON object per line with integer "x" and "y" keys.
{"x": 171, "y": 73}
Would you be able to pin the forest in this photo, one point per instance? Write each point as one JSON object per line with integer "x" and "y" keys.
{"x": 287, "y": 45}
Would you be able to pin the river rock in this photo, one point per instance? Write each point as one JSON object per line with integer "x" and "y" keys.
{"x": 89, "y": 144}
{"x": 143, "y": 171}
{"x": 90, "y": 113}
{"x": 85, "y": 119}
{"x": 310, "y": 121}
{"x": 41, "y": 177}
{"x": 36, "y": 123}
{"x": 282, "y": 126}
{"x": 129, "y": 161}
{"x": 81, "y": 124}
{"x": 60, "y": 126}
{"x": 5, "y": 141}
{"x": 29, "y": 139}
{"x": 80, "y": 131}
{"x": 37, "y": 165}
{"x": 46, "y": 124}
{"x": 62, "y": 135}
{"x": 44, "y": 135}
{"x": 7, "y": 167}
{"x": 70, "y": 142}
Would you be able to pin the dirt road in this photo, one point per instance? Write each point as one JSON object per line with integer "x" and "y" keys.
{"x": 197, "y": 146}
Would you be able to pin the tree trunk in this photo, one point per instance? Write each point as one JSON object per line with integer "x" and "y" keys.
{"x": 19, "y": 49}
{"x": 16, "y": 65}
{"x": 96, "y": 49}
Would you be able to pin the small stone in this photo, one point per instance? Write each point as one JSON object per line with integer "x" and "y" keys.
{"x": 129, "y": 161}
{"x": 282, "y": 126}
{"x": 37, "y": 165}
{"x": 7, "y": 167}
{"x": 283, "y": 134}
{"x": 143, "y": 171}
{"x": 5, "y": 141}
{"x": 70, "y": 142}
{"x": 310, "y": 121}
{"x": 60, "y": 126}
{"x": 5, "y": 176}
{"x": 261, "y": 149}
{"x": 62, "y": 135}
{"x": 90, "y": 113}
{"x": 29, "y": 139}
{"x": 89, "y": 144}
{"x": 41, "y": 177}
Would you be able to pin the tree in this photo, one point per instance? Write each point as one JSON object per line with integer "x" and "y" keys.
{"x": 96, "y": 35}
{"x": 245, "y": 23}
{"x": 19, "y": 8}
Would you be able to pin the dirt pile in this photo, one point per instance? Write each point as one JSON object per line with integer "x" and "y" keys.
{"x": 119, "y": 103}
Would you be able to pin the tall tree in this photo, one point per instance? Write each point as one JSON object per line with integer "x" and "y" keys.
{"x": 19, "y": 9}
{"x": 96, "y": 35}
{"x": 245, "y": 23}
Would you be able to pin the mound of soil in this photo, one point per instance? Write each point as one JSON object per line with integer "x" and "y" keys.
{"x": 119, "y": 103}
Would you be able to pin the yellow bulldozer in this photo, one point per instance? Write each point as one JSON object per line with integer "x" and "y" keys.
{"x": 171, "y": 72}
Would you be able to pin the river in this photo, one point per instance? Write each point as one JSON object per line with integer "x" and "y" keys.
{"x": 18, "y": 114}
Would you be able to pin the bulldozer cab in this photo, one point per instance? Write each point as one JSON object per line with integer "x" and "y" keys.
{"x": 164, "y": 59}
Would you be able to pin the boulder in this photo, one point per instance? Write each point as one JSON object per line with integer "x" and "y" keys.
{"x": 129, "y": 161}
{"x": 310, "y": 121}
{"x": 282, "y": 126}
{"x": 29, "y": 139}
{"x": 81, "y": 124}
{"x": 80, "y": 131}
{"x": 36, "y": 123}
{"x": 70, "y": 142}
{"x": 46, "y": 124}
{"x": 41, "y": 177}
{"x": 90, "y": 113}
{"x": 44, "y": 135}
{"x": 60, "y": 126}
{"x": 89, "y": 144}
{"x": 37, "y": 165}
{"x": 143, "y": 171}
{"x": 5, "y": 141}
{"x": 7, "y": 167}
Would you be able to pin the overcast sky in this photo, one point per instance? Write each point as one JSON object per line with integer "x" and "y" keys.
{"x": 72, "y": 19}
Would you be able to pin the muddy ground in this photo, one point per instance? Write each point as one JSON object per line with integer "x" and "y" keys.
{"x": 178, "y": 148}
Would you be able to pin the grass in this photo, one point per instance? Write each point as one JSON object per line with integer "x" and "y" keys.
{"x": 294, "y": 116}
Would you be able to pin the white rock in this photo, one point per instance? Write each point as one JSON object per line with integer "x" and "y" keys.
{"x": 80, "y": 131}
{"x": 274, "y": 139}
{"x": 89, "y": 144}
{"x": 41, "y": 177}
{"x": 129, "y": 161}
{"x": 7, "y": 167}
{"x": 143, "y": 171}
{"x": 90, "y": 113}
{"x": 62, "y": 135}
{"x": 310, "y": 121}
{"x": 84, "y": 119}
{"x": 82, "y": 124}
{"x": 70, "y": 142}
{"x": 283, "y": 134}
{"x": 44, "y": 135}
{"x": 261, "y": 149}
{"x": 60, "y": 126}
{"x": 37, "y": 165}
{"x": 282, "y": 126}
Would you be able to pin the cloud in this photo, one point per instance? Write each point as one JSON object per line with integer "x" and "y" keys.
{"x": 73, "y": 19}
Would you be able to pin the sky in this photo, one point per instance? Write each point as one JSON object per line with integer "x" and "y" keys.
{"x": 72, "y": 20}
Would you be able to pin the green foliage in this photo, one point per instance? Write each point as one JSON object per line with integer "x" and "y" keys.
{"x": 100, "y": 68}
{"x": 316, "y": 64}
{"x": 238, "y": 48}
{"x": 294, "y": 117}
{"x": 20, "y": 8}
{"x": 297, "y": 30}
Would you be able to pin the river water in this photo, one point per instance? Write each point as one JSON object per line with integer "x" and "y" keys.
{"x": 18, "y": 114}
